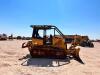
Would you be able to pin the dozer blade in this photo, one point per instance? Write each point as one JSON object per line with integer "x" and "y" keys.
{"x": 77, "y": 57}
{"x": 79, "y": 60}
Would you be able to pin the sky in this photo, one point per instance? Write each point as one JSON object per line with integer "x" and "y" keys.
{"x": 70, "y": 16}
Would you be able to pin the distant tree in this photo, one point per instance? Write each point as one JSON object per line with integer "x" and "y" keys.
{"x": 19, "y": 37}
{"x": 28, "y": 38}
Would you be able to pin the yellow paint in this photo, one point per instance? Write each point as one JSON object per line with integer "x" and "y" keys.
{"x": 36, "y": 41}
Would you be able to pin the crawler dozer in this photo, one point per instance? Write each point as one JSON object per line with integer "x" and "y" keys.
{"x": 49, "y": 46}
{"x": 82, "y": 41}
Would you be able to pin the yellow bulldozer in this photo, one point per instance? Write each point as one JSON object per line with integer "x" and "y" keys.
{"x": 43, "y": 45}
{"x": 82, "y": 41}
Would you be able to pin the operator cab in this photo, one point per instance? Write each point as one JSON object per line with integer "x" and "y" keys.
{"x": 42, "y": 36}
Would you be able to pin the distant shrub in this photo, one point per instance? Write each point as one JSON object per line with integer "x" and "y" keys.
{"x": 26, "y": 38}
{"x": 19, "y": 37}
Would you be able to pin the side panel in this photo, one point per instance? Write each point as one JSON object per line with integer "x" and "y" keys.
{"x": 59, "y": 42}
{"x": 36, "y": 41}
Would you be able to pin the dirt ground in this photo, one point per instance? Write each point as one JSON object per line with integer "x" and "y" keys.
{"x": 11, "y": 52}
